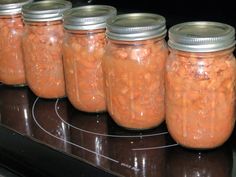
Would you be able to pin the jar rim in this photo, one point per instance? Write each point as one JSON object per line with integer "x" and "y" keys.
{"x": 136, "y": 26}
{"x": 12, "y": 7}
{"x": 201, "y": 36}
{"x": 88, "y": 17}
{"x": 47, "y": 10}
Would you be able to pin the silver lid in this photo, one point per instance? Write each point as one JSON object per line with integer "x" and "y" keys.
{"x": 136, "y": 26}
{"x": 202, "y": 36}
{"x": 48, "y": 10}
{"x": 11, "y": 7}
{"x": 88, "y": 17}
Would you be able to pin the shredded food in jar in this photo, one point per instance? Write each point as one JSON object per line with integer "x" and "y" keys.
{"x": 11, "y": 57}
{"x": 42, "y": 45}
{"x": 200, "y": 97}
{"x": 83, "y": 53}
{"x": 134, "y": 82}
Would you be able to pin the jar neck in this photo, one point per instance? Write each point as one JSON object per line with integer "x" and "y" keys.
{"x": 202, "y": 55}
{"x": 85, "y": 32}
{"x": 46, "y": 23}
{"x": 140, "y": 42}
{"x": 12, "y": 16}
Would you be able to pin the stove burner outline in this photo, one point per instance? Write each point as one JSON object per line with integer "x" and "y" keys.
{"x": 101, "y": 134}
{"x": 117, "y": 136}
{"x": 157, "y": 147}
{"x": 93, "y": 152}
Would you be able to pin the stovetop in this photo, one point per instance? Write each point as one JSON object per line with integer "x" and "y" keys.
{"x": 95, "y": 140}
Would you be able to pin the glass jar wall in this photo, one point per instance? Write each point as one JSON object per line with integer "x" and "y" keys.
{"x": 133, "y": 66}
{"x": 42, "y": 46}
{"x": 200, "y": 84}
{"x": 84, "y": 46}
{"x": 11, "y": 32}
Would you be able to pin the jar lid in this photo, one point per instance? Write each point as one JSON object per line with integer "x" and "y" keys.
{"x": 88, "y": 17}
{"x": 48, "y": 10}
{"x": 10, "y": 7}
{"x": 136, "y": 26}
{"x": 201, "y": 36}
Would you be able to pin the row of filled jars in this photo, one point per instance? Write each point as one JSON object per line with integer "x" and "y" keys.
{"x": 121, "y": 63}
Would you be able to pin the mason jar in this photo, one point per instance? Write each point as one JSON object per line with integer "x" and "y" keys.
{"x": 11, "y": 31}
{"x": 42, "y": 46}
{"x": 200, "y": 84}
{"x": 133, "y": 65}
{"x": 83, "y": 49}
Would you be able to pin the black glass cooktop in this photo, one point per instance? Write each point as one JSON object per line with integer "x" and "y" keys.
{"x": 95, "y": 140}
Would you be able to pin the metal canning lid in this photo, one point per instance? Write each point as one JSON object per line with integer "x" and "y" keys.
{"x": 88, "y": 17}
{"x": 48, "y": 10}
{"x": 136, "y": 26}
{"x": 201, "y": 36}
{"x": 10, "y": 7}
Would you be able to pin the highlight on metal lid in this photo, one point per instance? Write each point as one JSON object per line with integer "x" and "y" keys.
{"x": 88, "y": 17}
{"x": 48, "y": 10}
{"x": 11, "y": 7}
{"x": 201, "y": 36}
{"x": 136, "y": 26}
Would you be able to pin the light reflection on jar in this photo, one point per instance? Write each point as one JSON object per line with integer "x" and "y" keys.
{"x": 15, "y": 109}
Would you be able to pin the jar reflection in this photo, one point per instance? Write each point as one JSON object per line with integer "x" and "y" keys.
{"x": 92, "y": 140}
{"x": 138, "y": 163}
{"x": 15, "y": 109}
{"x": 184, "y": 163}
{"x": 56, "y": 132}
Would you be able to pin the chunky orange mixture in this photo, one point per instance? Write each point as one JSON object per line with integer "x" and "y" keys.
{"x": 83, "y": 51}
{"x": 200, "y": 97}
{"x": 11, "y": 58}
{"x": 134, "y": 82}
{"x": 42, "y": 46}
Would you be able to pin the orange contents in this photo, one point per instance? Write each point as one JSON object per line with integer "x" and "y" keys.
{"x": 134, "y": 82}
{"x": 200, "y": 97}
{"x": 11, "y": 58}
{"x": 83, "y": 53}
{"x": 42, "y": 46}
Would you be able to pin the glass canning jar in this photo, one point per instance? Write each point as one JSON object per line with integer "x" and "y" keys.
{"x": 11, "y": 32}
{"x": 83, "y": 49}
{"x": 42, "y": 46}
{"x": 133, "y": 66}
{"x": 200, "y": 84}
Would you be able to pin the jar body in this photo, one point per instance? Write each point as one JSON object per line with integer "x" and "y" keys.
{"x": 42, "y": 46}
{"x": 11, "y": 54}
{"x": 134, "y": 82}
{"x": 82, "y": 56}
{"x": 200, "y": 97}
